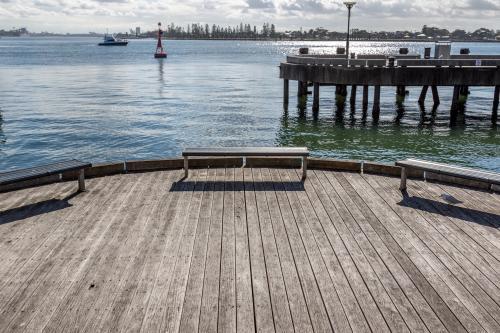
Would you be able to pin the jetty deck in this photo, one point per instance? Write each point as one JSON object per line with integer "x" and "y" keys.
{"x": 233, "y": 249}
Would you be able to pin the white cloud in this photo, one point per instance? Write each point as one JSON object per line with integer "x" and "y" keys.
{"x": 120, "y": 15}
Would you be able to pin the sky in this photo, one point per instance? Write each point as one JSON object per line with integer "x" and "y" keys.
{"x": 81, "y": 16}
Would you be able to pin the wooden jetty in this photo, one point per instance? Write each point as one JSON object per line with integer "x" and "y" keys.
{"x": 249, "y": 249}
{"x": 400, "y": 71}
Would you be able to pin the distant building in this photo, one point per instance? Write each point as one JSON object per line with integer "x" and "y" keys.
{"x": 137, "y": 31}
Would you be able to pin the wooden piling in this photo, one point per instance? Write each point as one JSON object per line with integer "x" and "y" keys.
{"x": 401, "y": 93}
{"x": 423, "y": 95}
{"x": 454, "y": 100}
{"x": 316, "y": 97}
{"x": 302, "y": 88}
{"x": 353, "y": 95}
{"x": 435, "y": 95}
{"x": 496, "y": 99}
{"x": 376, "y": 101}
{"x": 365, "y": 97}
{"x": 286, "y": 91}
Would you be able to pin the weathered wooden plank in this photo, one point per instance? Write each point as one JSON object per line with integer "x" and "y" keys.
{"x": 331, "y": 245}
{"x": 478, "y": 211}
{"x": 260, "y": 289}
{"x": 151, "y": 318}
{"x": 294, "y": 286}
{"x": 458, "y": 277}
{"x": 312, "y": 293}
{"x": 37, "y": 262}
{"x": 473, "y": 252}
{"x": 23, "y": 241}
{"x": 209, "y": 304}
{"x": 161, "y": 251}
{"x": 190, "y": 317}
{"x": 444, "y": 313}
{"x": 125, "y": 263}
{"x": 360, "y": 227}
{"x": 460, "y": 219}
{"x": 279, "y": 299}
{"x": 163, "y": 255}
{"x": 244, "y": 298}
{"x": 149, "y": 242}
{"x": 342, "y": 218}
{"x": 467, "y": 245}
{"x": 105, "y": 246}
{"x": 227, "y": 292}
{"x": 49, "y": 288}
{"x": 171, "y": 314}
{"x": 415, "y": 250}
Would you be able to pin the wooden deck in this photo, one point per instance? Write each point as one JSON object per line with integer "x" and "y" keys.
{"x": 249, "y": 249}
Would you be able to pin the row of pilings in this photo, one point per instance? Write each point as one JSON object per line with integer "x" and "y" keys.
{"x": 458, "y": 101}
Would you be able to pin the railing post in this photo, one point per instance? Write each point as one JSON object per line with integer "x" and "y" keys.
{"x": 186, "y": 167}
{"x": 304, "y": 168}
{"x": 81, "y": 180}
{"x": 404, "y": 176}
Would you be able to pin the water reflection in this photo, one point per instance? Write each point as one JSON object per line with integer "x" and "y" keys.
{"x": 2, "y": 136}
{"x": 411, "y": 132}
{"x": 161, "y": 79}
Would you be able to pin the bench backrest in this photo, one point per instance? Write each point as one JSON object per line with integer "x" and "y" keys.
{"x": 14, "y": 176}
{"x": 452, "y": 170}
{"x": 247, "y": 151}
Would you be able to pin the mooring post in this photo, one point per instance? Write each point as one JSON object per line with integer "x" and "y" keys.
{"x": 286, "y": 93}
{"x": 376, "y": 101}
{"x": 316, "y": 97}
{"x": 496, "y": 98}
{"x": 435, "y": 95}
{"x": 353, "y": 95}
{"x": 423, "y": 95}
{"x": 365, "y": 97}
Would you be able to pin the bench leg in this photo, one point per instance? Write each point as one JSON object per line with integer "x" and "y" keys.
{"x": 186, "y": 167}
{"x": 304, "y": 168}
{"x": 81, "y": 181}
{"x": 404, "y": 175}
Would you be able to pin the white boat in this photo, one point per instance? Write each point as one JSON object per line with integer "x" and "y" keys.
{"x": 110, "y": 40}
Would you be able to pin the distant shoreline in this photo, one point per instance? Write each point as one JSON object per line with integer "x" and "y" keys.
{"x": 265, "y": 39}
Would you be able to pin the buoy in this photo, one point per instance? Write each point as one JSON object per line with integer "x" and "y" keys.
{"x": 159, "y": 48}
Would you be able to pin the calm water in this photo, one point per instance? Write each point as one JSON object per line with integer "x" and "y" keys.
{"x": 66, "y": 97}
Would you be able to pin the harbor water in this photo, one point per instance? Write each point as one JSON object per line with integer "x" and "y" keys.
{"x": 68, "y": 98}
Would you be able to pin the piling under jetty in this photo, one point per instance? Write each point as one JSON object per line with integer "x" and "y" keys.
{"x": 403, "y": 72}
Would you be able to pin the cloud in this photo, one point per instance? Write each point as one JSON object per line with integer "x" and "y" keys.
{"x": 260, "y": 4}
{"x": 120, "y": 15}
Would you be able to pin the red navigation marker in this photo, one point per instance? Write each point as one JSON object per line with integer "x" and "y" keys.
{"x": 160, "y": 53}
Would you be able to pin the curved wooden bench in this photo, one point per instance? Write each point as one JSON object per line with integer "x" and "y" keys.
{"x": 248, "y": 152}
{"x": 11, "y": 177}
{"x": 447, "y": 170}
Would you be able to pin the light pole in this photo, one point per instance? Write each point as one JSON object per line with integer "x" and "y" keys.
{"x": 349, "y": 5}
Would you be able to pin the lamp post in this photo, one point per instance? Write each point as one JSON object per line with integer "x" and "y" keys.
{"x": 349, "y": 5}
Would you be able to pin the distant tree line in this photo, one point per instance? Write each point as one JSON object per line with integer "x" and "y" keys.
{"x": 14, "y": 32}
{"x": 206, "y": 31}
{"x": 268, "y": 32}
{"x": 427, "y": 33}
